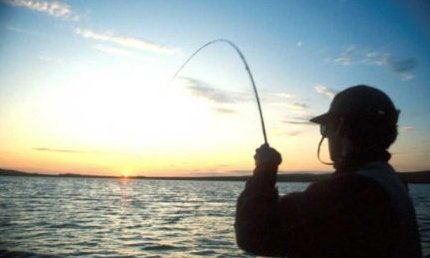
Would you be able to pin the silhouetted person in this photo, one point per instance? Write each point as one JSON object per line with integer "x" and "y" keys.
{"x": 362, "y": 210}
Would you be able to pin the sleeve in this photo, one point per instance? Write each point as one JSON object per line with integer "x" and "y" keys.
{"x": 266, "y": 224}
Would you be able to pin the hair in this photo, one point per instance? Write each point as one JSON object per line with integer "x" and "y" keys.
{"x": 371, "y": 132}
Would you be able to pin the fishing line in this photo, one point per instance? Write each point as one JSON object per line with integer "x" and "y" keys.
{"x": 247, "y": 69}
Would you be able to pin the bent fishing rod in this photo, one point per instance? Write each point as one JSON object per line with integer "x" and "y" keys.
{"x": 246, "y": 68}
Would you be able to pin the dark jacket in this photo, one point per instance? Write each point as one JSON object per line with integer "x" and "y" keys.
{"x": 365, "y": 213}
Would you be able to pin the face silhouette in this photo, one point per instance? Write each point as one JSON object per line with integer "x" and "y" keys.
{"x": 338, "y": 144}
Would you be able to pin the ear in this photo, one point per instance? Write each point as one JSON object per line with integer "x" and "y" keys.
{"x": 340, "y": 130}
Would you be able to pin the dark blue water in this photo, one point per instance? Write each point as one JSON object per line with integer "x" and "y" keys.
{"x": 87, "y": 217}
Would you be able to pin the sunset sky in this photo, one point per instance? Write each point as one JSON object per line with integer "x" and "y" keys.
{"x": 85, "y": 86}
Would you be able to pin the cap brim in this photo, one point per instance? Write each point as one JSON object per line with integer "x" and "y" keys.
{"x": 321, "y": 119}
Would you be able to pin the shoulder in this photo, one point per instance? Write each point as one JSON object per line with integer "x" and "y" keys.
{"x": 345, "y": 183}
{"x": 348, "y": 191}
{"x": 339, "y": 187}
{"x": 342, "y": 192}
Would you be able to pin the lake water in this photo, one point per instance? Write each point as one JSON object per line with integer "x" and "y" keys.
{"x": 89, "y": 217}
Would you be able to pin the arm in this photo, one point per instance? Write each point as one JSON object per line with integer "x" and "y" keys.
{"x": 266, "y": 224}
{"x": 256, "y": 215}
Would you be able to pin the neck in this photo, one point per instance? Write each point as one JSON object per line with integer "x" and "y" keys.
{"x": 355, "y": 159}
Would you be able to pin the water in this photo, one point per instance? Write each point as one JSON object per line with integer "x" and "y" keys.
{"x": 88, "y": 217}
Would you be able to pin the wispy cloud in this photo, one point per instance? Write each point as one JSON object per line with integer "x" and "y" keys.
{"x": 48, "y": 59}
{"x": 204, "y": 90}
{"x": 276, "y": 98}
{"x": 298, "y": 120}
{"x": 293, "y": 122}
{"x": 16, "y": 29}
{"x": 405, "y": 129}
{"x": 210, "y": 93}
{"x": 52, "y": 8}
{"x": 300, "y": 105}
{"x": 353, "y": 55}
{"x": 126, "y": 41}
{"x": 24, "y": 31}
{"x": 282, "y": 95}
{"x": 225, "y": 110}
{"x": 295, "y": 107}
{"x": 403, "y": 67}
{"x": 112, "y": 50}
{"x": 58, "y": 150}
{"x": 293, "y": 133}
{"x": 321, "y": 89}
{"x": 225, "y": 99}
{"x": 346, "y": 57}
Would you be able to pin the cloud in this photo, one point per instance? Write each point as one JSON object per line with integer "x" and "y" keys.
{"x": 353, "y": 55}
{"x": 204, "y": 90}
{"x": 212, "y": 94}
{"x": 58, "y": 150}
{"x": 225, "y": 110}
{"x": 24, "y": 31}
{"x": 293, "y": 133}
{"x": 15, "y": 29}
{"x": 293, "y": 122}
{"x": 405, "y": 129}
{"x": 225, "y": 99}
{"x": 299, "y": 120}
{"x": 296, "y": 107}
{"x": 407, "y": 76}
{"x": 48, "y": 59}
{"x": 276, "y": 98}
{"x": 52, "y": 8}
{"x": 112, "y": 50}
{"x": 125, "y": 41}
{"x": 403, "y": 67}
{"x": 346, "y": 57}
{"x": 321, "y": 89}
{"x": 282, "y": 95}
{"x": 300, "y": 105}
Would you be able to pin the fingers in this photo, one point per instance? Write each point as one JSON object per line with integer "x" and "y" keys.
{"x": 267, "y": 155}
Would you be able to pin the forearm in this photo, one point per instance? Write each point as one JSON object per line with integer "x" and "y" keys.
{"x": 257, "y": 217}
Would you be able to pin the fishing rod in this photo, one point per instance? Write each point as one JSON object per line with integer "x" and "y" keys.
{"x": 246, "y": 68}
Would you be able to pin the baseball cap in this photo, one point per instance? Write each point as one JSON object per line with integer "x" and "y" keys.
{"x": 360, "y": 102}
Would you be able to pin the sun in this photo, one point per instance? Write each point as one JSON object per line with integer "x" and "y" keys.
{"x": 125, "y": 174}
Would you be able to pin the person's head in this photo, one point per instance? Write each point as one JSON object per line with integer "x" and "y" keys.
{"x": 361, "y": 120}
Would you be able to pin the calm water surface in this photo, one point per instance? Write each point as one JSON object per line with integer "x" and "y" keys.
{"x": 87, "y": 217}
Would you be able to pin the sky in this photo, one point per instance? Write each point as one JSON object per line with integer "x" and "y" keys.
{"x": 86, "y": 86}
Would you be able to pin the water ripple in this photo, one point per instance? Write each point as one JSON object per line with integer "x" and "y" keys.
{"x": 87, "y": 217}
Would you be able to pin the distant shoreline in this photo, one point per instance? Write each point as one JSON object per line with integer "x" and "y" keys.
{"x": 419, "y": 177}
